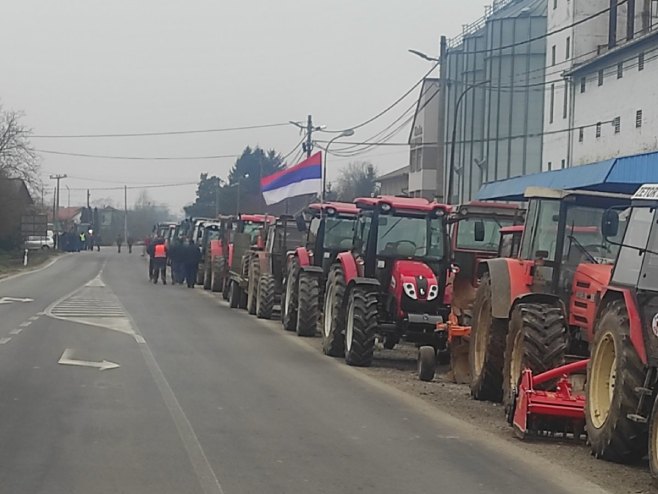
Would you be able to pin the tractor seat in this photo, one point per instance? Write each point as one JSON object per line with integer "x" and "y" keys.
{"x": 345, "y": 244}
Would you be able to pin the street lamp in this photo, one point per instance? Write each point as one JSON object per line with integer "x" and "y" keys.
{"x": 237, "y": 202}
{"x": 344, "y": 133}
{"x": 451, "y": 168}
{"x": 423, "y": 56}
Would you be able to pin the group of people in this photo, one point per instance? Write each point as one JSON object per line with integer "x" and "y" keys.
{"x": 73, "y": 241}
{"x": 130, "y": 241}
{"x": 183, "y": 257}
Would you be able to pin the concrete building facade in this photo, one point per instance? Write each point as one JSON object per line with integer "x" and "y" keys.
{"x": 423, "y": 143}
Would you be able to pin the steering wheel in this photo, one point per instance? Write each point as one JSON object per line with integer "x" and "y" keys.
{"x": 408, "y": 242}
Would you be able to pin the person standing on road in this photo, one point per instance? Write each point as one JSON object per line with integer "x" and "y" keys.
{"x": 130, "y": 244}
{"x": 175, "y": 256}
{"x": 192, "y": 257}
{"x": 119, "y": 242}
{"x": 160, "y": 261}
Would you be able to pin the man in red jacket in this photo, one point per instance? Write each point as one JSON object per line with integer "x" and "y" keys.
{"x": 160, "y": 261}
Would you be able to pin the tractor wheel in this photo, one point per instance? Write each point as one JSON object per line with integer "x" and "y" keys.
{"x": 200, "y": 276}
{"x": 265, "y": 302}
{"x": 361, "y": 327}
{"x": 390, "y": 341}
{"x": 486, "y": 351}
{"x": 333, "y": 320}
{"x": 252, "y": 287}
{"x": 653, "y": 440}
{"x": 226, "y": 290}
{"x": 217, "y": 283}
{"x": 308, "y": 307}
{"x": 537, "y": 340}
{"x": 234, "y": 294}
{"x": 289, "y": 297}
{"x": 613, "y": 374}
{"x": 207, "y": 277}
{"x": 426, "y": 363}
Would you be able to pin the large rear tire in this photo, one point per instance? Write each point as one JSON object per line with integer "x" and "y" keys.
{"x": 252, "y": 287}
{"x": 234, "y": 294}
{"x": 537, "y": 340}
{"x": 226, "y": 288}
{"x": 200, "y": 276}
{"x": 217, "y": 283}
{"x": 207, "y": 277}
{"x": 361, "y": 327}
{"x": 614, "y": 373}
{"x": 486, "y": 351}
{"x": 289, "y": 297}
{"x": 265, "y": 302}
{"x": 308, "y": 304}
{"x": 653, "y": 440}
{"x": 333, "y": 320}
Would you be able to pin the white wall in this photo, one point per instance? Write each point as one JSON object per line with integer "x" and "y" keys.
{"x": 637, "y": 90}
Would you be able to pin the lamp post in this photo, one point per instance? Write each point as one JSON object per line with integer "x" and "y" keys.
{"x": 345, "y": 133}
{"x": 451, "y": 169}
{"x": 237, "y": 202}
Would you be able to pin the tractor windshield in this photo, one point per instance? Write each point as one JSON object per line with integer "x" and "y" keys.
{"x": 466, "y": 233}
{"x": 584, "y": 241}
{"x": 408, "y": 236}
{"x": 338, "y": 233}
{"x": 252, "y": 229}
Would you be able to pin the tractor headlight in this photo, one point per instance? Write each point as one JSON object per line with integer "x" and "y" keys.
{"x": 433, "y": 292}
{"x": 410, "y": 290}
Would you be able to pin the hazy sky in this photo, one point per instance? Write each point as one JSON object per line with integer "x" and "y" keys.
{"x": 119, "y": 66}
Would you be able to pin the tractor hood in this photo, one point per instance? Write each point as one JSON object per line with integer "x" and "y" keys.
{"x": 415, "y": 279}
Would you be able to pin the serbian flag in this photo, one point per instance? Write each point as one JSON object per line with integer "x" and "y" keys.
{"x": 301, "y": 179}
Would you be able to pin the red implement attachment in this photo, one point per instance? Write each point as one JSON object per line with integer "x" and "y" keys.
{"x": 549, "y": 412}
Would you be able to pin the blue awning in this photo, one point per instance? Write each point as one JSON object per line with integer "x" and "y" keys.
{"x": 623, "y": 175}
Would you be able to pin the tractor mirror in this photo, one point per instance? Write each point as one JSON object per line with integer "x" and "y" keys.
{"x": 301, "y": 223}
{"x": 479, "y": 231}
{"x": 610, "y": 223}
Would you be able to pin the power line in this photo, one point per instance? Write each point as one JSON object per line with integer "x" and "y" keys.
{"x": 145, "y": 158}
{"x": 164, "y": 133}
{"x": 152, "y": 186}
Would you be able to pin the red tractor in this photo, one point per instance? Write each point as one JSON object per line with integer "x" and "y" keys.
{"x": 392, "y": 284}
{"x": 247, "y": 235}
{"x": 330, "y": 232}
{"x": 621, "y": 410}
{"x": 479, "y": 232}
{"x": 537, "y": 310}
{"x": 216, "y": 270}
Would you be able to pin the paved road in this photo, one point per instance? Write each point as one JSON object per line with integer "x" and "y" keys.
{"x": 207, "y": 400}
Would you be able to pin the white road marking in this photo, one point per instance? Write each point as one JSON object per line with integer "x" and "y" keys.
{"x": 25, "y": 324}
{"x": 4, "y": 340}
{"x": 16, "y": 331}
{"x": 11, "y": 300}
{"x": 34, "y": 318}
{"x": 67, "y": 359}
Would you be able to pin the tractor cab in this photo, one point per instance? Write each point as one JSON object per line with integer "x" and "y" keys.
{"x": 283, "y": 236}
{"x": 255, "y": 226}
{"x": 331, "y": 230}
{"x": 403, "y": 244}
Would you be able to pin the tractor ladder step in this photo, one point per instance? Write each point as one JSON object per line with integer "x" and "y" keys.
{"x": 642, "y": 391}
{"x": 639, "y": 419}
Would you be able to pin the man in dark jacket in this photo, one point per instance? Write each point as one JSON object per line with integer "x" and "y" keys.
{"x": 176, "y": 255}
{"x": 192, "y": 256}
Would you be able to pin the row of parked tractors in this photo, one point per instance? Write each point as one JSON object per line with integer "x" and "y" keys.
{"x": 550, "y": 307}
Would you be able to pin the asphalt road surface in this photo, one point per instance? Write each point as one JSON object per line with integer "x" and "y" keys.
{"x": 209, "y": 400}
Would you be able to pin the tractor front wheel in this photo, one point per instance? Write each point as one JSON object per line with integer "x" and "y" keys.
{"x": 333, "y": 320}
{"x": 265, "y": 302}
{"x": 234, "y": 294}
{"x": 653, "y": 440}
{"x": 614, "y": 374}
{"x": 217, "y": 283}
{"x": 361, "y": 327}
{"x": 207, "y": 277}
{"x": 486, "y": 351}
{"x": 308, "y": 308}
{"x": 252, "y": 287}
{"x": 426, "y": 363}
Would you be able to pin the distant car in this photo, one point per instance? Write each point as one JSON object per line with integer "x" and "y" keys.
{"x": 35, "y": 242}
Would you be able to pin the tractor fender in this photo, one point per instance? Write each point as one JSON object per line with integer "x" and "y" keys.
{"x": 634, "y": 319}
{"x": 537, "y": 298}
{"x": 366, "y": 283}
{"x": 303, "y": 256}
{"x": 508, "y": 283}
{"x": 348, "y": 263}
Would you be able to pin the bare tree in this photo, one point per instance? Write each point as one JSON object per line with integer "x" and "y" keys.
{"x": 18, "y": 159}
{"x": 357, "y": 179}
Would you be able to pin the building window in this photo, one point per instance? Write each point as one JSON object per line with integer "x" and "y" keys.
{"x": 600, "y": 77}
{"x": 553, "y": 55}
{"x": 598, "y": 130}
{"x": 581, "y": 134}
{"x": 565, "y": 103}
{"x": 568, "y": 48}
{"x": 550, "y": 165}
{"x": 640, "y": 61}
{"x": 554, "y": 4}
{"x": 620, "y": 70}
{"x": 550, "y": 111}
{"x": 563, "y": 163}
{"x": 616, "y": 123}
{"x": 638, "y": 119}
{"x": 583, "y": 84}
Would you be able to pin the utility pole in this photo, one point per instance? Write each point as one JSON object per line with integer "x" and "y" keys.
{"x": 309, "y": 136}
{"x": 57, "y": 178}
{"x": 125, "y": 214}
{"x": 88, "y": 196}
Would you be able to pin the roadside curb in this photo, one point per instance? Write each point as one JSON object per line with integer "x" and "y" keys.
{"x": 31, "y": 271}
